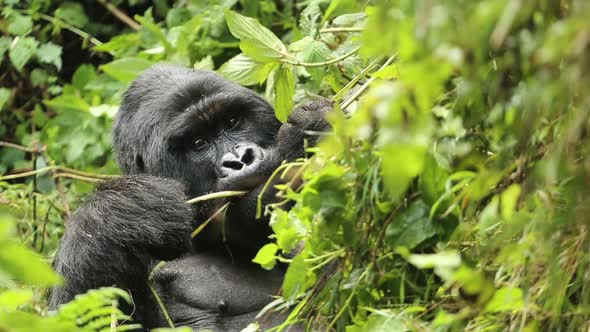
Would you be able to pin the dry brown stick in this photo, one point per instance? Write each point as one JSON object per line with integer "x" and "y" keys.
{"x": 22, "y": 148}
{"x": 120, "y": 15}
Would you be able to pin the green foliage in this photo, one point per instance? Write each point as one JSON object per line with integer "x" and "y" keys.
{"x": 452, "y": 195}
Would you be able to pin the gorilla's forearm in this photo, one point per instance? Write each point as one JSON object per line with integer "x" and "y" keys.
{"x": 112, "y": 238}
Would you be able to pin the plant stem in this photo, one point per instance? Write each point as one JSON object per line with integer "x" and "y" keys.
{"x": 220, "y": 194}
{"x": 324, "y": 63}
{"x": 71, "y": 28}
{"x": 342, "y": 29}
{"x": 120, "y": 15}
{"x": 364, "y": 87}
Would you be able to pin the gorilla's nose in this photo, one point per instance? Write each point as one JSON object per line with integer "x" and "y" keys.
{"x": 243, "y": 160}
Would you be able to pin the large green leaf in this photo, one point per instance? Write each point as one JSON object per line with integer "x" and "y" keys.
{"x": 126, "y": 69}
{"x": 284, "y": 91}
{"x": 256, "y": 41}
{"x": 245, "y": 71}
{"x": 411, "y": 227}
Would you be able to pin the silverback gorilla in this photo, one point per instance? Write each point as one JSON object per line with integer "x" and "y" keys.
{"x": 183, "y": 133}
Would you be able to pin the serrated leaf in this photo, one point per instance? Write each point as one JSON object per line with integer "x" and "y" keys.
{"x": 266, "y": 256}
{"x": 284, "y": 91}
{"x": 245, "y": 71}
{"x": 20, "y": 25}
{"x": 256, "y": 41}
{"x": 22, "y": 51}
{"x": 51, "y": 54}
{"x": 126, "y": 69}
{"x": 411, "y": 227}
{"x": 72, "y": 13}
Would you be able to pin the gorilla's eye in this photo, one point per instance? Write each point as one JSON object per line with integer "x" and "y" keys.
{"x": 232, "y": 122}
{"x": 200, "y": 144}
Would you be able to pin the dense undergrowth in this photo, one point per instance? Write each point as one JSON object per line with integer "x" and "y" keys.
{"x": 452, "y": 195}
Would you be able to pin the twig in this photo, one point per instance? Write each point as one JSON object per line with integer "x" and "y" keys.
{"x": 22, "y": 148}
{"x": 77, "y": 177}
{"x": 220, "y": 194}
{"x": 324, "y": 63}
{"x": 71, "y": 28}
{"x": 354, "y": 80}
{"x": 120, "y": 15}
{"x": 364, "y": 87}
{"x": 204, "y": 224}
{"x": 160, "y": 303}
{"x": 57, "y": 168}
{"x": 342, "y": 29}
{"x": 267, "y": 184}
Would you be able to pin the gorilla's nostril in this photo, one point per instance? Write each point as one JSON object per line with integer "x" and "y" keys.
{"x": 232, "y": 164}
{"x": 248, "y": 156}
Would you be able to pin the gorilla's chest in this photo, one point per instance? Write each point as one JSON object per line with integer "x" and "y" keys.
{"x": 209, "y": 291}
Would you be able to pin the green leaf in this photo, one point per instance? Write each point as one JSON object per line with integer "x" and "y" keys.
{"x": 284, "y": 91}
{"x": 22, "y": 51}
{"x": 20, "y": 25}
{"x": 509, "y": 199}
{"x": 68, "y": 102}
{"x": 450, "y": 259}
{"x": 401, "y": 163}
{"x": 72, "y": 13}
{"x": 411, "y": 227}
{"x": 245, "y": 71}
{"x": 126, "y": 69}
{"x": 12, "y": 298}
{"x": 205, "y": 63}
{"x": 382, "y": 322}
{"x": 84, "y": 74}
{"x": 23, "y": 265}
{"x": 4, "y": 95}
{"x": 506, "y": 299}
{"x": 5, "y": 43}
{"x": 256, "y": 41}
{"x": 51, "y": 54}
{"x": 266, "y": 256}
{"x": 39, "y": 77}
{"x": 296, "y": 278}
{"x": 177, "y": 16}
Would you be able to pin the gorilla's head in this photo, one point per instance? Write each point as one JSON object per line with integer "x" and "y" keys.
{"x": 197, "y": 127}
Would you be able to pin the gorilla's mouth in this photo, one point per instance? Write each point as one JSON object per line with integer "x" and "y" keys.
{"x": 246, "y": 183}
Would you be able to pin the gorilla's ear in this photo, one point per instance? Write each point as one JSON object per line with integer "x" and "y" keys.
{"x": 139, "y": 163}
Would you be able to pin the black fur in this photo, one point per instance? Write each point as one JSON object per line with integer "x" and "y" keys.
{"x": 181, "y": 133}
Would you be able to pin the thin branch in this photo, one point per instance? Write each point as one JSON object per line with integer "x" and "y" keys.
{"x": 220, "y": 194}
{"x": 365, "y": 86}
{"x": 160, "y": 303}
{"x": 72, "y": 173}
{"x": 71, "y": 28}
{"x": 342, "y": 29}
{"x": 22, "y": 148}
{"x": 120, "y": 15}
{"x": 354, "y": 80}
{"x": 203, "y": 225}
{"x": 324, "y": 63}
{"x": 77, "y": 177}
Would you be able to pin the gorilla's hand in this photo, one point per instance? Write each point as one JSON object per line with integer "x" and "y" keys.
{"x": 306, "y": 122}
{"x": 112, "y": 238}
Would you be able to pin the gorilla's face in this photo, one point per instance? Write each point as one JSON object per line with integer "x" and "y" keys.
{"x": 196, "y": 127}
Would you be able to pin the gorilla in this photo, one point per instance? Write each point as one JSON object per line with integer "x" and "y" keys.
{"x": 181, "y": 133}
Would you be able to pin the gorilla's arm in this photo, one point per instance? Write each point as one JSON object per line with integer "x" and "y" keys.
{"x": 112, "y": 237}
